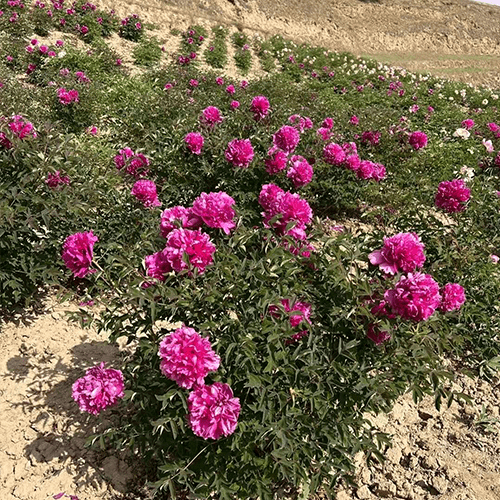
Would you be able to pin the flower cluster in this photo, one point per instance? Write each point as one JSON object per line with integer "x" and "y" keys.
{"x": 55, "y": 180}
{"x": 370, "y": 170}
{"x": 187, "y": 358}
{"x": 66, "y": 97}
{"x": 403, "y": 252}
{"x": 134, "y": 164}
{"x": 452, "y": 195}
{"x": 99, "y": 388}
{"x": 145, "y": 192}
{"x": 239, "y": 153}
{"x": 21, "y": 128}
{"x": 77, "y": 253}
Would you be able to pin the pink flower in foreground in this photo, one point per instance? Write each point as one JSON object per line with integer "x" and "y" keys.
{"x": 157, "y": 265}
{"x": 145, "y": 192}
{"x": 333, "y": 154}
{"x": 55, "y": 179}
{"x": 239, "y": 153}
{"x": 452, "y": 196}
{"x": 211, "y": 116}
{"x": 418, "y": 140}
{"x": 276, "y": 162}
{"x": 99, "y": 388}
{"x": 414, "y": 297}
{"x": 194, "y": 142}
{"x": 194, "y": 246}
{"x": 403, "y": 252}
{"x": 300, "y": 172}
{"x": 215, "y": 210}
{"x": 259, "y": 107}
{"x": 78, "y": 252}
{"x": 187, "y": 358}
{"x": 453, "y": 297}
{"x": 213, "y": 410}
{"x": 176, "y": 217}
{"x": 286, "y": 138}
{"x": 66, "y": 97}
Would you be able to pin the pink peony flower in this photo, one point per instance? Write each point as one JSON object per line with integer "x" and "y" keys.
{"x": 99, "y": 388}
{"x": 239, "y": 153}
{"x": 494, "y": 258}
{"x": 78, "y": 252}
{"x": 370, "y": 170}
{"x": 468, "y": 124}
{"x": 211, "y": 116}
{"x": 300, "y": 172}
{"x": 414, "y": 297}
{"x": 235, "y": 104}
{"x": 215, "y": 210}
{"x": 488, "y": 145}
{"x": 175, "y": 217}
{"x": 301, "y": 311}
{"x": 187, "y": 358}
{"x": 286, "y": 139}
{"x": 452, "y": 195}
{"x": 403, "y": 252}
{"x": 55, "y": 180}
{"x": 324, "y": 133}
{"x": 276, "y": 162}
{"x": 301, "y": 122}
{"x": 230, "y": 89}
{"x": 194, "y": 142}
{"x": 353, "y": 162}
{"x": 219, "y": 80}
{"x": 333, "y": 154}
{"x": 21, "y": 128}
{"x": 418, "y": 140}
{"x": 66, "y": 97}
{"x": 135, "y": 164}
{"x": 213, "y": 410}
{"x": 269, "y": 197}
{"x": 376, "y": 335}
{"x": 370, "y": 136}
{"x": 327, "y": 123}
{"x": 453, "y": 297}
{"x": 157, "y": 265}
{"x": 354, "y": 120}
{"x": 194, "y": 246}
{"x": 259, "y": 107}
{"x": 145, "y": 192}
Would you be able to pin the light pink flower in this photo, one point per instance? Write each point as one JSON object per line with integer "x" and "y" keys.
{"x": 145, "y": 192}
{"x": 215, "y": 209}
{"x": 239, "y": 153}
{"x": 213, "y": 410}
{"x": 414, "y": 297}
{"x": 77, "y": 253}
{"x": 488, "y": 145}
{"x": 403, "y": 252}
{"x": 494, "y": 258}
{"x": 99, "y": 388}
{"x": 187, "y": 358}
{"x": 194, "y": 142}
{"x": 453, "y": 297}
{"x": 452, "y": 196}
{"x": 300, "y": 172}
{"x": 286, "y": 139}
{"x": 259, "y": 107}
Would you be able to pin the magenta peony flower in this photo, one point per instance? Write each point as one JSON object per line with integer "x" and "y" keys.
{"x": 157, "y": 265}
{"x": 354, "y": 120}
{"x": 66, "y": 97}
{"x": 194, "y": 246}
{"x": 286, "y": 139}
{"x": 277, "y": 161}
{"x": 194, "y": 142}
{"x": 468, "y": 124}
{"x": 78, "y": 252}
{"x": 213, "y": 410}
{"x": 333, "y": 154}
{"x": 417, "y": 140}
{"x": 414, "y": 297}
{"x": 324, "y": 133}
{"x": 269, "y": 197}
{"x": 135, "y": 164}
{"x": 175, "y": 217}
{"x": 452, "y": 196}
{"x": 376, "y": 335}
{"x": 300, "y": 172}
{"x": 301, "y": 122}
{"x": 21, "y": 128}
{"x": 187, "y": 358}
{"x": 239, "y": 153}
{"x": 235, "y": 104}
{"x": 55, "y": 180}
{"x": 353, "y": 162}
{"x": 215, "y": 209}
{"x": 4, "y": 141}
{"x": 301, "y": 311}
{"x": 369, "y": 170}
{"x": 230, "y": 89}
{"x": 453, "y": 297}
{"x": 327, "y": 123}
{"x": 99, "y": 388}
{"x": 259, "y": 107}
{"x": 211, "y": 116}
{"x": 403, "y": 252}
{"x": 145, "y": 192}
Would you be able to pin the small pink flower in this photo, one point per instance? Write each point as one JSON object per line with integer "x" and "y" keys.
{"x": 376, "y": 335}
{"x": 333, "y": 154}
{"x": 259, "y": 107}
{"x": 488, "y": 145}
{"x": 239, "y": 153}
{"x": 219, "y": 80}
{"x": 354, "y": 120}
{"x": 417, "y": 140}
{"x": 230, "y": 89}
{"x": 453, "y": 297}
{"x": 494, "y": 258}
{"x": 67, "y": 97}
{"x": 211, "y": 116}
{"x": 235, "y": 104}
{"x": 168, "y": 86}
{"x": 194, "y": 142}
{"x": 145, "y": 192}
{"x": 300, "y": 172}
{"x": 54, "y": 180}
{"x": 276, "y": 162}
{"x": 452, "y": 196}
{"x": 468, "y": 124}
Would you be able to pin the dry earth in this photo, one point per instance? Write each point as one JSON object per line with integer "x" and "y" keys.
{"x": 448, "y": 455}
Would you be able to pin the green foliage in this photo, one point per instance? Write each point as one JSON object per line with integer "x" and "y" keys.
{"x": 243, "y": 60}
{"x": 131, "y": 28}
{"x": 216, "y": 53}
{"x": 147, "y": 52}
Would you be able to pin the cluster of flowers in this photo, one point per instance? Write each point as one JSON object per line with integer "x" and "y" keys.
{"x": 55, "y": 180}
{"x": 43, "y": 50}
{"x": 451, "y": 196}
{"x": 298, "y": 312}
{"x": 415, "y": 296}
{"x": 99, "y": 388}
{"x": 67, "y": 97}
{"x": 19, "y": 129}
{"x": 131, "y": 28}
{"x": 346, "y": 155}
{"x": 187, "y": 358}
{"x": 134, "y": 164}
{"x": 77, "y": 253}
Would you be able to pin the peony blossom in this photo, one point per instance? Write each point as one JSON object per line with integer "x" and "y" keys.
{"x": 259, "y": 107}
{"x": 176, "y": 217}
{"x": 453, "y": 297}
{"x": 211, "y": 116}
{"x": 134, "y": 164}
{"x": 213, "y": 410}
{"x": 157, "y": 265}
{"x": 452, "y": 196}
{"x": 327, "y": 123}
{"x": 194, "y": 142}
{"x": 239, "y": 153}
{"x": 66, "y": 97}
{"x": 187, "y": 358}
{"x": 403, "y": 252}
{"x": 276, "y": 162}
{"x": 55, "y": 180}
{"x": 286, "y": 139}
{"x": 414, "y": 297}
{"x": 370, "y": 170}
{"x": 99, "y": 388}
{"x": 300, "y": 172}
{"x": 333, "y": 154}
{"x": 145, "y": 192}
{"x": 418, "y": 140}
{"x": 301, "y": 311}
{"x": 78, "y": 252}
{"x": 376, "y": 335}
{"x": 215, "y": 210}
{"x": 21, "y": 128}
{"x": 468, "y": 124}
